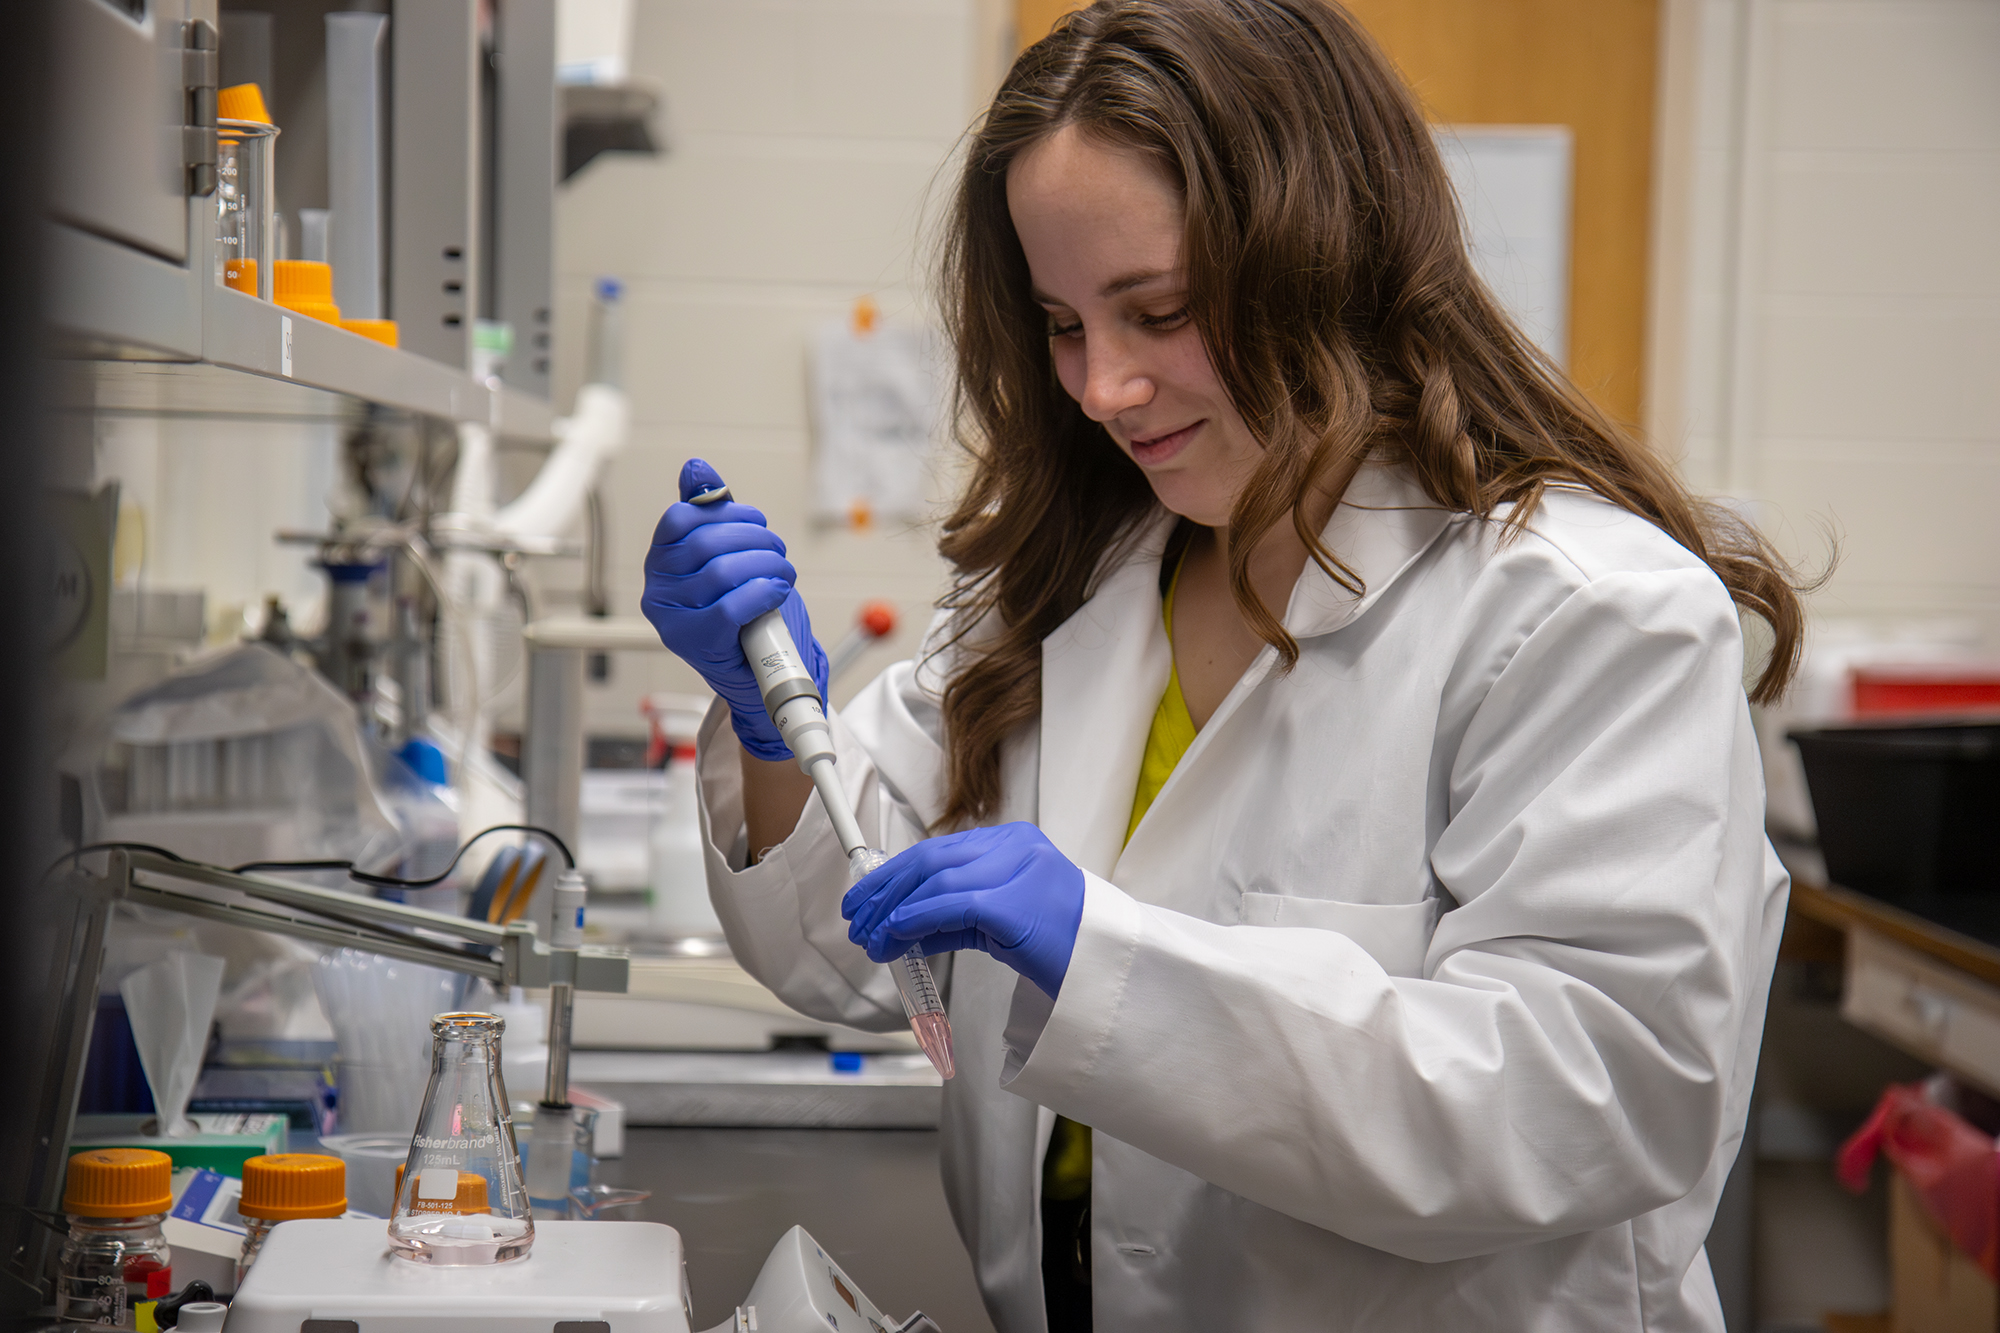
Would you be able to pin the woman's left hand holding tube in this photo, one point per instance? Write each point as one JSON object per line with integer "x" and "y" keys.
{"x": 1004, "y": 890}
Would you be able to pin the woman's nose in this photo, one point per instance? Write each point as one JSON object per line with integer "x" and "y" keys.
{"x": 1114, "y": 381}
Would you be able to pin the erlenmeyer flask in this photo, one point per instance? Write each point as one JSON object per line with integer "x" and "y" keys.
{"x": 464, "y": 1134}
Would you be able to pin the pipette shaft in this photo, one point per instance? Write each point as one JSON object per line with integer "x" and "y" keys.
{"x": 792, "y": 699}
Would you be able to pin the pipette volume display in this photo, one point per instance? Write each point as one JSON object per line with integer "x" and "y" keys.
{"x": 914, "y": 983}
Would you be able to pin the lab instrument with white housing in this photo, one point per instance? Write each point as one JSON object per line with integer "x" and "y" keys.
{"x": 336, "y": 1276}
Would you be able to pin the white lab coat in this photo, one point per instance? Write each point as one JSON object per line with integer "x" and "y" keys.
{"x": 1428, "y": 993}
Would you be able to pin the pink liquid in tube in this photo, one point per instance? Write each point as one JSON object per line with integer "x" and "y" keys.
{"x": 914, "y": 983}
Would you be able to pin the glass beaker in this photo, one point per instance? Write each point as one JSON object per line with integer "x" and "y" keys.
{"x": 245, "y": 167}
{"x": 465, "y": 1129}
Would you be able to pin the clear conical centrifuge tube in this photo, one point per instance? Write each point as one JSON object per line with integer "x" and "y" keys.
{"x": 792, "y": 699}
{"x": 461, "y": 1200}
{"x": 921, "y": 1002}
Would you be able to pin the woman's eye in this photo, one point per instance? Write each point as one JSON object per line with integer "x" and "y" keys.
{"x": 1172, "y": 320}
{"x": 1058, "y": 329}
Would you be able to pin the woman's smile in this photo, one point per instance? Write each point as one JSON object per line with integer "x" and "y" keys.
{"x": 1162, "y": 448}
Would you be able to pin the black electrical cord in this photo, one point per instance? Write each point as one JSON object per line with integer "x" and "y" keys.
{"x": 396, "y": 881}
{"x": 365, "y": 877}
{"x": 90, "y": 847}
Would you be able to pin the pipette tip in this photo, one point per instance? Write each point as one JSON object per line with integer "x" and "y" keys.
{"x": 933, "y": 1032}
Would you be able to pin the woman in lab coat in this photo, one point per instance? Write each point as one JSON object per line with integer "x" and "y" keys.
{"x": 1332, "y": 768}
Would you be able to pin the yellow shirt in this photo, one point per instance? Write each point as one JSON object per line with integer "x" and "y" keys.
{"x": 1172, "y": 731}
{"x": 1066, "y": 1170}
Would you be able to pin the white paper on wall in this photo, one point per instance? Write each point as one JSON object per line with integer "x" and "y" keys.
{"x": 875, "y": 403}
{"x": 593, "y": 41}
{"x": 1513, "y": 184}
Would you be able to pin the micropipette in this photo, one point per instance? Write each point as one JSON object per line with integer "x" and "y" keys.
{"x": 792, "y": 699}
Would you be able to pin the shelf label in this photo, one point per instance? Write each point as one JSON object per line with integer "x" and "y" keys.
{"x": 285, "y": 346}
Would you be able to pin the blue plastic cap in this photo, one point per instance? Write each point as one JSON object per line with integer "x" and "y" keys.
{"x": 350, "y": 573}
{"x": 425, "y": 760}
{"x": 697, "y": 476}
{"x": 609, "y": 290}
{"x": 847, "y": 1062}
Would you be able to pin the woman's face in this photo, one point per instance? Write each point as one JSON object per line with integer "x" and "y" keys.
{"x": 1101, "y": 228}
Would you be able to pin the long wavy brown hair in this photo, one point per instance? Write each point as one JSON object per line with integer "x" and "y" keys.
{"x": 1328, "y": 275}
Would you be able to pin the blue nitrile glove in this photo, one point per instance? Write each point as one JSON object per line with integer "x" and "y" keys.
{"x": 712, "y": 570}
{"x": 1005, "y": 890}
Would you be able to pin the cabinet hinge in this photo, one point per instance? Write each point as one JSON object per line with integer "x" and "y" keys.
{"x": 201, "y": 71}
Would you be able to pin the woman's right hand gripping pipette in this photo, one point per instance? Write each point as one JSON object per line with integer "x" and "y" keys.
{"x": 712, "y": 569}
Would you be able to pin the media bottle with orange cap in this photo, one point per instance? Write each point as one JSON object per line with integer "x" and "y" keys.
{"x": 279, "y": 1187}
{"x": 116, "y": 1199}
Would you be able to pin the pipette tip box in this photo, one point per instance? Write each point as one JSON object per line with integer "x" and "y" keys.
{"x": 337, "y": 1276}
{"x": 224, "y": 1142}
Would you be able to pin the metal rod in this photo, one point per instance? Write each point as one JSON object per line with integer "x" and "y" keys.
{"x": 326, "y": 901}
{"x": 347, "y": 920}
{"x": 555, "y": 1091}
{"x": 252, "y": 918}
{"x": 76, "y": 965}
{"x": 355, "y": 920}
{"x": 552, "y": 752}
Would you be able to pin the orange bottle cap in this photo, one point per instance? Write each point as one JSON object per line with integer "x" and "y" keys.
{"x": 380, "y": 330}
{"x": 119, "y": 1182}
{"x": 280, "y": 1186}
{"x": 245, "y": 101}
{"x": 240, "y": 274}
{"x": 302, "y": 280}
{"x": 305, "y": 287}
{"x": 471, "y": 1196}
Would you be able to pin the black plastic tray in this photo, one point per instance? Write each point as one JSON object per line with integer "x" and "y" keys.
{"x": 1911, "y": 814}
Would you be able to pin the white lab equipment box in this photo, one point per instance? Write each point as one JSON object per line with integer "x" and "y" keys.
{"x": 337, "y": 1276}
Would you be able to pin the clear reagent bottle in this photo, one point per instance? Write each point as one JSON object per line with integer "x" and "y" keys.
{"x": 278, "y": 1187}
{"x": 116, "y": 1199}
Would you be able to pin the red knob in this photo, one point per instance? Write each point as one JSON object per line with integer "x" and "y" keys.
{"x": 879, "y": 619}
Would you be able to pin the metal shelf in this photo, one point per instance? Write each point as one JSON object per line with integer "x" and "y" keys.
{"x": 193, "y": 347}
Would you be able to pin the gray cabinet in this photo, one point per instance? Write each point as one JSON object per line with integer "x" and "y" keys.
{"x": 121, "y": 111}
{"x": 132, "y": 231}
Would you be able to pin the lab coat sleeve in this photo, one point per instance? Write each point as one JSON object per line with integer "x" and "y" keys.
{"x": 782, "y": 915}
{"x": 1563, "y": 1061}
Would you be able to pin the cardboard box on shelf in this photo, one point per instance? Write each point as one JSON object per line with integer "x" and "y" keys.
{"x": 1936, "y": 1287}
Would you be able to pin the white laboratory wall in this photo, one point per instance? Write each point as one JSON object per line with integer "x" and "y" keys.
{"x": 807, "y": 143}
{"x": 1514, "y": 186}
{"x": 1826, "y": 321}
{"x": 187, "y": 483}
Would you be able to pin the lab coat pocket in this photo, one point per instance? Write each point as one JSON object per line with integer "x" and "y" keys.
{"x": 1396, "y": 935}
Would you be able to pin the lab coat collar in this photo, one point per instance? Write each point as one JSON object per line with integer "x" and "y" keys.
{"x": 1379, "y": 528}
{"x": 1105, "y": 668}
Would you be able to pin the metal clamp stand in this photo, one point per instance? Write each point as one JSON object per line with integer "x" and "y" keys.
{"x": 554, "y": 1140}
{"x": 507, "y": 956}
